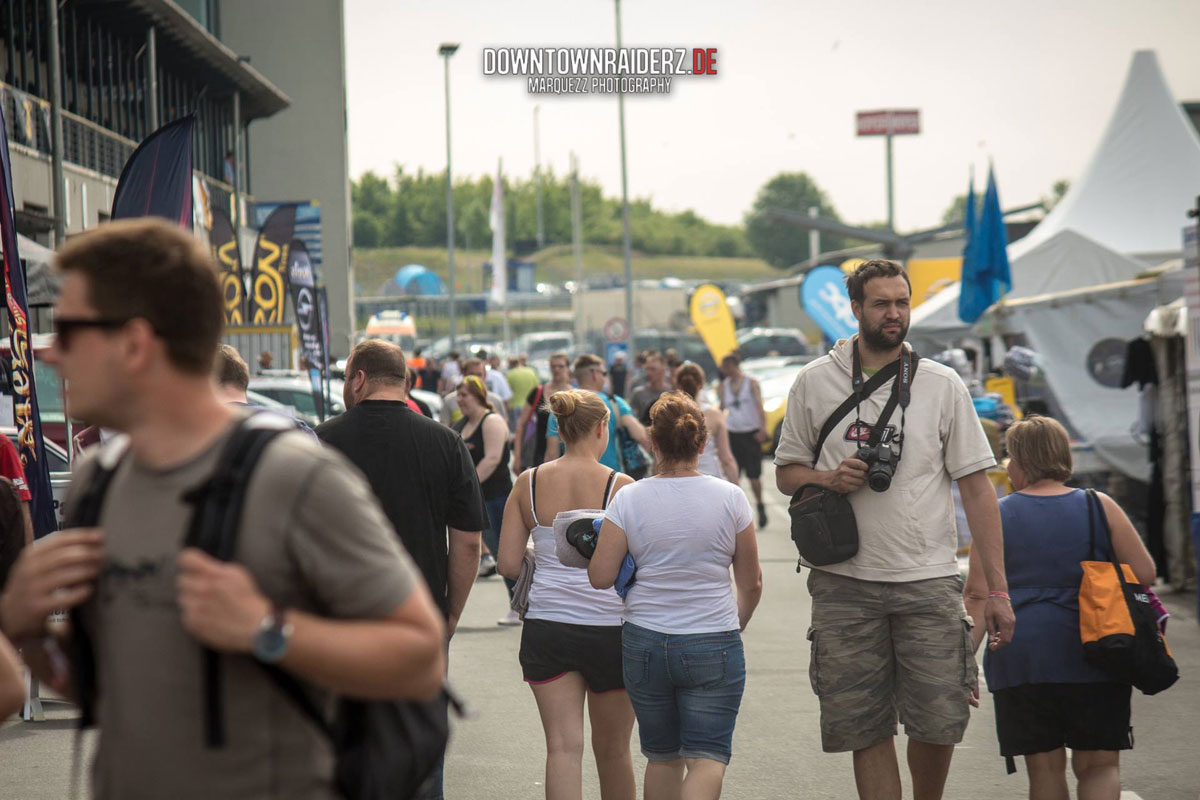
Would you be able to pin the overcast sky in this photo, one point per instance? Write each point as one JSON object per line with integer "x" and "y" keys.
{"x": 1027, "y": 83}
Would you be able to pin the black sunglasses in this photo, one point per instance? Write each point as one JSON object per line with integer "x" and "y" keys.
{"x": 65, "y": 328}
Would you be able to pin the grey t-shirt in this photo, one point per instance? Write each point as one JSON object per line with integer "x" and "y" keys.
{"x": 314, "y": 539}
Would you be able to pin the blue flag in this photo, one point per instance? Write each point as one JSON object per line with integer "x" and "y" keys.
{"x": 25, "y": 405}
{"x": 985, "y": 272}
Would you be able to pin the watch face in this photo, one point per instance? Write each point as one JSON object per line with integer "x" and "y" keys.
{"x": 270, "y": 644}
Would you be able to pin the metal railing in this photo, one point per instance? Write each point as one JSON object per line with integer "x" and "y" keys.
{"x": 87, "y": 144}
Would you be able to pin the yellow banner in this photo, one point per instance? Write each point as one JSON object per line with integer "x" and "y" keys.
{"x": 930, "y": 275}
{"x": 711, "y": 316}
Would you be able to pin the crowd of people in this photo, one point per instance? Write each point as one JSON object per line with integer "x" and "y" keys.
{"x": 628, "y": 548}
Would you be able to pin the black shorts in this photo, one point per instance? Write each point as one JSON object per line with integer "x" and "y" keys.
{"x": 550, "y": 650}
{"x": 747, "y": 452}
{"x": 1041, "y": 717}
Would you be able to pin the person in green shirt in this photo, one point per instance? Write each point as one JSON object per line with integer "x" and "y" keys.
{"x": 522, "y": 379}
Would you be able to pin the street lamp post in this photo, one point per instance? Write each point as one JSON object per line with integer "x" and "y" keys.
{"x": 537, "y": 177}
{"x": 445, "y": 51}
{"x": 625, "y": 201}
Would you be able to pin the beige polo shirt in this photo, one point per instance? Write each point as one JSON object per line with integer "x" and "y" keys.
{"x": 908, "y": 532}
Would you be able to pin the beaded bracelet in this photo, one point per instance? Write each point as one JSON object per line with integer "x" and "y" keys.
{"x": 1000, "y": 594}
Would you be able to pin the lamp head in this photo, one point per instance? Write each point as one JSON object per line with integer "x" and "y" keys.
{"x": 447, "y": 48}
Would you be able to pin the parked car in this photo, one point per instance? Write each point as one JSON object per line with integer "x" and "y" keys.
{"x": 296, "y": 392}
{"x": 540, "y": 346}
{"x": 467, "y": 345}
{"x": 775, "y": 377}
{"x": 761, "y": 342}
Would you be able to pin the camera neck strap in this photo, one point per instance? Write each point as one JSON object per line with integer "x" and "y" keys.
{"x": 905, "y": 368}
{"x": 865, "y": 389}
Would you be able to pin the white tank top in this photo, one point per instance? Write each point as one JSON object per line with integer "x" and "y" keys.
{"x": 742, "y": 415}
{"x": 563, "y": 594}
{"x": 709, "y": 464}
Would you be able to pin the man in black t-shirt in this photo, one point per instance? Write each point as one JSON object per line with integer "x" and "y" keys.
{"x": 419, "y": 469}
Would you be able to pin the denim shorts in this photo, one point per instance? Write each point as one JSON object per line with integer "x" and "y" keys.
{"x": 685, "y": 690}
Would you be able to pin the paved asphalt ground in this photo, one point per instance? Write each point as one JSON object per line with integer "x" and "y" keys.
{"x": 500, "y": 753}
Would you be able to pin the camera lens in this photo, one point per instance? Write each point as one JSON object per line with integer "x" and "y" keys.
{"x": 880, "y": 480}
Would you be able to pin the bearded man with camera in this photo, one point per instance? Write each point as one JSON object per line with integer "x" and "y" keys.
{"x": 872, "y": 438}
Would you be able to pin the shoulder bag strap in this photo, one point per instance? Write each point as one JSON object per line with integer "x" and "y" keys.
{"x": 1087, "y": 498}
{"x": 1103, "y": 526}
{"x": 878, "y": 379}
{"x": 608, "y": 488}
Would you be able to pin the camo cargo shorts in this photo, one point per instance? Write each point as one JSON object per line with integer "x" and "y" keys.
{"x": 888, "y": 651}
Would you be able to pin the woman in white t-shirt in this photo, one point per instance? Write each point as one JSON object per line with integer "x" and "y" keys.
{"x": 683, "y": 662}
{"x": 571, "y": 639}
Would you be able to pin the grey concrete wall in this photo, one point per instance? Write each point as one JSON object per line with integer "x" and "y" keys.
{"x": 300, "y": 153}
{"x": 88, "y": 193}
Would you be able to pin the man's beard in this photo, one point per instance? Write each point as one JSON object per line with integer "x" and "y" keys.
{"x": 880, "y": 340}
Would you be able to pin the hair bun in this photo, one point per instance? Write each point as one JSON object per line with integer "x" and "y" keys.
{"x": 562, "y": 404}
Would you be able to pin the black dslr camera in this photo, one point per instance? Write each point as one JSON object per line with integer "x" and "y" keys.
{"x": 881, "y": 460}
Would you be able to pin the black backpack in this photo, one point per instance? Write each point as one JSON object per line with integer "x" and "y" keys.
{"x": 382, "y": 748}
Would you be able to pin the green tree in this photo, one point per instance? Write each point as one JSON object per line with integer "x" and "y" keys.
{"x": 956, "y": 212}
{"x": 781, "y": 242}
{"x": 1057, "y": 191}
{"x": 410, "y": 209}
{"x": 367, "y": 230}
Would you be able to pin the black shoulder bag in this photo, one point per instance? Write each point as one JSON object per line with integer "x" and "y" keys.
{"x": 824, "y": 529}
{"x": 382, "y": 748}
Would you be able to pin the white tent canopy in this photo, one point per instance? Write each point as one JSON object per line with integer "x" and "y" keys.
{"x": 1134, "y": 194}
{"x": 1065, "y": 261}
{"x": 1080, "y": 337}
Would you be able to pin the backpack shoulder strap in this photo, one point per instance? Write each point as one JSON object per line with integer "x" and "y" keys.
{"x": 218, "y": 503}
{"x": 85, "y": 513}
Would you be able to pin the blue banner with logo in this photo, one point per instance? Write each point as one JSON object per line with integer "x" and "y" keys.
{"x": 825, "y": 299}
{"x": 25, "y": 405}
{"x": 157, "y": 178}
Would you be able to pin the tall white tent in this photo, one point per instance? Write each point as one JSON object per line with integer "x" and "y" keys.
{"x": 1130, "y": 201}
{"x": 1134, "y": 194}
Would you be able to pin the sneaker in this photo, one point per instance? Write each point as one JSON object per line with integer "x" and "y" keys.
{"x": 487, "y": 566}
{"x": 511, "y": 618}
{"x": 762, "y": 516}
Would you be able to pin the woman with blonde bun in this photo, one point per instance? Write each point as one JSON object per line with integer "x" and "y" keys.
{"x": 716, "y": 459}
{"x": 571, "y": 642}
{"x": 684, "y": 666}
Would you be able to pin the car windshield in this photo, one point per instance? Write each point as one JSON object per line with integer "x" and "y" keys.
{"x": 778, "y": 382}
{"x": 49, "y": 392}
